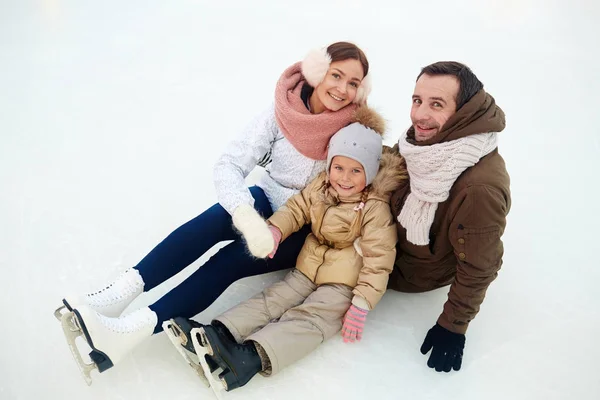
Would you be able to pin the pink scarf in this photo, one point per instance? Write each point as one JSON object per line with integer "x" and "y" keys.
{"x": 308, "y": 133}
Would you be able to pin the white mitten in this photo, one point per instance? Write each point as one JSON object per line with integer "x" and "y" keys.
{"x": 255, "y": 230}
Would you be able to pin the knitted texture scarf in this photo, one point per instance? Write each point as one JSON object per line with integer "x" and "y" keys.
{"x": 308, "y": 133}
{"x": 433, "y": 170}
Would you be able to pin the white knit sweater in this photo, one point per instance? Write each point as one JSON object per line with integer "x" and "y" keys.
{"x": 287, "y": 174}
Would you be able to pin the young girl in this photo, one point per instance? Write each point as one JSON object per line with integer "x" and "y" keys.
{"x": 341, "y": 272}
{"x": 313, "y": 100}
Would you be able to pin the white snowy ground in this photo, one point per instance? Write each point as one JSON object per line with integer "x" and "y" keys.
{"x": 112, "y": 114}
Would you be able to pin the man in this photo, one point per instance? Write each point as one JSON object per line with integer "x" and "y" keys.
{"x": 453, "y": 214}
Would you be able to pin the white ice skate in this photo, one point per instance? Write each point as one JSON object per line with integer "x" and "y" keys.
{"x": 109, "y": 301}
{"x": 109, "y": 338}
{"x": 182, "y": 342}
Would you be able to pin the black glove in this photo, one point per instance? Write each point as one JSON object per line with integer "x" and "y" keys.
{"x": 447, "y": 349}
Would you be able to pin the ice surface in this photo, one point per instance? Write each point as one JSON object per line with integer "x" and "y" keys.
{"x": 112, "y": 114}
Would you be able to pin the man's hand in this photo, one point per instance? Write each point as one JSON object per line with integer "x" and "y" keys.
{"x": 447, "y": 350}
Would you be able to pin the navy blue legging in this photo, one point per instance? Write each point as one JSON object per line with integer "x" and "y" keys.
{"x": 190, "y": 241}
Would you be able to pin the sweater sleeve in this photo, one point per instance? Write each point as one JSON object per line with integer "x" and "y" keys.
{"x": 240, "y": 158}
{"x": 475, "y": 234}
{"x": 378, "y": 247}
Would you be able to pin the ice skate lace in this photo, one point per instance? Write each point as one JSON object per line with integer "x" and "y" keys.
{"x": 130, "y": 323}
{"x": 126, "y": 285}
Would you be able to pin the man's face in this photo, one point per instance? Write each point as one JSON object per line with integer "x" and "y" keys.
{"x": 434, "y": 102}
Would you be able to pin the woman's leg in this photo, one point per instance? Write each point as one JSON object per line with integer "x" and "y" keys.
{"x": 191, "y": 240}
{"x": 182, "y": 247}
{"x": 231, "y": 263}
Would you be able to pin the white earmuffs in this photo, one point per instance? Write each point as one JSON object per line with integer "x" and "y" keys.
{"x": 315, "y": 66}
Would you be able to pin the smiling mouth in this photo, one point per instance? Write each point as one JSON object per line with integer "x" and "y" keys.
{"x": 345, "y": 187}
{"x": 336, "y": 98}
{"x": 424, "y": 129}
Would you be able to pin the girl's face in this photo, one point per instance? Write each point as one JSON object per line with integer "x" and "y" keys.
{"x": 347, "y": 176}
{"x": 339, "y": 87}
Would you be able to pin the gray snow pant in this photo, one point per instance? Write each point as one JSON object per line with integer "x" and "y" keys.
{"x": 290, "y": 318}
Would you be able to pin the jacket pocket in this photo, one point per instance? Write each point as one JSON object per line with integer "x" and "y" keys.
{"x": 479, "y": 246}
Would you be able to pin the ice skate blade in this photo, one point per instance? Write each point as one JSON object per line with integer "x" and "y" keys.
{"x": 58, "y": 314}
{"x": 203, "y": 341}
{"x": 174, "y": 333}
{"x": 72, "y": 331}
{"x": 215, "y": 383}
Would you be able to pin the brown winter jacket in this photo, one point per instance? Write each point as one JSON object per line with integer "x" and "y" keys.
{"x": 329, "y": 254}
{"x": 465, "y": 247}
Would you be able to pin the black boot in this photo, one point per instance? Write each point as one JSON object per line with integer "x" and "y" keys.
{"x": 223, "y": 331}
{"x": 240, "y": 362}
{"x": 182, "y": 327}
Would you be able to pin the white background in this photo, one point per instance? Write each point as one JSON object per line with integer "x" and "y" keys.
{"x": 112, "y": 114}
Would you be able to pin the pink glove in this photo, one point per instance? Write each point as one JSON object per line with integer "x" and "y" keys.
{"x": 354, "y": 322}
{"x": 276, "y": 237}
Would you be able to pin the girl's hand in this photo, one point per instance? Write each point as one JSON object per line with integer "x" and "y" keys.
{"x": 354, "y": 322}
{"x": 276, "y": 238}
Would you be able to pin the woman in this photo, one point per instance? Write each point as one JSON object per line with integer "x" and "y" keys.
{"x": 313, "y": 100}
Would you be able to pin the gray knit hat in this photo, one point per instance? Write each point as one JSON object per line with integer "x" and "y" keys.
{"x": 359, "y": 143}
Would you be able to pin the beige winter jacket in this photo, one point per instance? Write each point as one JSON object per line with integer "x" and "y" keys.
{"x": 347, "y": 246}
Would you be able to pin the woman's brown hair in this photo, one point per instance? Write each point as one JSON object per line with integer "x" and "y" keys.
{"x": 341, "y": 51}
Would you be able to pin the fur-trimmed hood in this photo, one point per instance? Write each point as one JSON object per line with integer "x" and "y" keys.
{"x": 392, "y": 172}
{"x": 391, "y": 176}
{"x": 370, "y": 118}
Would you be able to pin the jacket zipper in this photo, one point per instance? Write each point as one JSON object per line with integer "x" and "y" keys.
{"x": 321, "y": 233}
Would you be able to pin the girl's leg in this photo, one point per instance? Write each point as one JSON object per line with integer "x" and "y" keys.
{"x": 303, "y": 328}
{"x": 231, "y": 263}
{"x": 269, "y": 305}
{"x": 191, "y": 240}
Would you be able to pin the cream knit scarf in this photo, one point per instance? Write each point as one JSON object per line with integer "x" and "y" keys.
{"x": 433, "y": 170}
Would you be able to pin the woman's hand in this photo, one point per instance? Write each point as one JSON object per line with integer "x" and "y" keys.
{"x": 255, "y": 231}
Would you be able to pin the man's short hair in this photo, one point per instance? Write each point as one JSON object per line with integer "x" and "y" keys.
{"x": 468, "y": 83}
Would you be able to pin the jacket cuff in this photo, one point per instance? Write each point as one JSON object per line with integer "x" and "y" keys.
{"x": 280, "y": 224}
{"x": 456, "y": 326}
{"x": 360, "y": 302}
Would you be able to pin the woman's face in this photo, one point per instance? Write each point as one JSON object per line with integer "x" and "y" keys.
{"x": 339, "y": 87}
